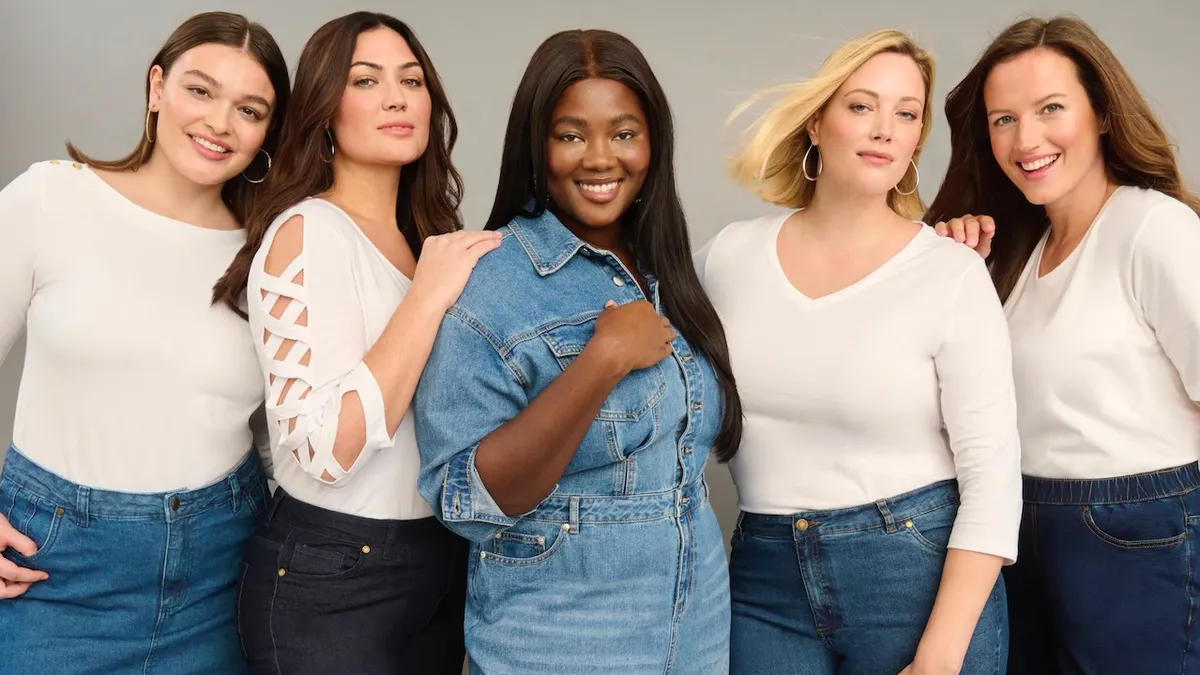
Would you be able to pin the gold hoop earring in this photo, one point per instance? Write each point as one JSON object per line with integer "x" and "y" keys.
{"x": 915, "y": 185}
{"x": 149, "y": 137}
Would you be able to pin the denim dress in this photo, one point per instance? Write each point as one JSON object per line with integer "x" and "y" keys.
{"x": 622, "y": 568}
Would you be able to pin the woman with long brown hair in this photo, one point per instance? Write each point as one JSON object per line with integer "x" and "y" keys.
{"x": 350, "y": 262}
{"x": 131, "y": 484}
{"x": 1095, "y": 257}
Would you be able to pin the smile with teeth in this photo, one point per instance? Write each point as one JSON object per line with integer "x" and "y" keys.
{"x": 209, "y": 145}
{"x": 1038, "y": 164}
{"x": 599, "y": 189}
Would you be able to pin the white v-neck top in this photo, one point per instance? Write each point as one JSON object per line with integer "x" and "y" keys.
{"x": 895, "y": 382}
{"x": 133, "y": 380}
{"x": 340, "y": 292}
{"x": 1106, "y": 346}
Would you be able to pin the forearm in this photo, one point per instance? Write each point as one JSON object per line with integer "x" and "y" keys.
{"x": 522, "y": 460}
{"x": 396, "y": 361}
{"x": 968, "y": 579}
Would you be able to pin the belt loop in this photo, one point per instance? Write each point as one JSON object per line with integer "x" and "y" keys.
{"x": 889, "y": 522}
{"x": 235, "y": 492}
{"x": 82, "y": 504}
{"x": 573, "y": 518}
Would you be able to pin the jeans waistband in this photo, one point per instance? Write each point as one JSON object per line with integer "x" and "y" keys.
{"x": 1117, "y": 490}
{"x": 84, "y": 503}
{"x": 291, "y": 512}
{"x": 887, "y": 514}
{"x": 622, "y": 508}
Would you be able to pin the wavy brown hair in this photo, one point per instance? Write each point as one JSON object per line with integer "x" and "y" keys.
{"x": 430, "y": 188}
{"x": 1136, "y": 150}
{"x": 655, "y": 226}
{"x": 221, "y": 28}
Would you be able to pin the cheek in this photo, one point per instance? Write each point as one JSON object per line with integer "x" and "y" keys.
{"x": 1074, "y": 132}
{"x": 252, "y": 133}
{"x": 561, "y": 159}
{"x": 1001, "y": 142}
{"x": 354, "y": 112}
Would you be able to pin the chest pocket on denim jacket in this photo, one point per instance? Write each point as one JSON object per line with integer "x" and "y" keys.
{"x": 632, "y": 407}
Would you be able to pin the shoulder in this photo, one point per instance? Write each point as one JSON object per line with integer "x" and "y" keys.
{"x": 499, "y": 277}
{"x": 51, "y": 176}
{"x": 1134, "y": 213}
{"x": 946, "y": 261}
{"x": 736, "y": 241}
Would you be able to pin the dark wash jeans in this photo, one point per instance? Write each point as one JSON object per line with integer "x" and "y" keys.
{"x": 1106, "y": 577}
{"x": 326, "y": 592}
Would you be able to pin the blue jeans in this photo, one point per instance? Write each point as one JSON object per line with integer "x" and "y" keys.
{"x": 1106, "y": 582}
{"x": 139, "y": 583}
{"x": 849, "y": 591}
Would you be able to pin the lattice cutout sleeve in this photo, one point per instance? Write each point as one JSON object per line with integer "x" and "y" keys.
{"x": 292, "y": 321}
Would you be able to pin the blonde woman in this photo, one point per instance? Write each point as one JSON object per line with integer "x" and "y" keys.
{"x": 878, "y": 476}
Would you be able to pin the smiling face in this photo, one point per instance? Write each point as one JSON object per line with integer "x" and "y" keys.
{"x": 598, "y": 153}
{"x": 868, "y": 131}
{"x": 214, "y": 110}
{"x": 383, "y": 115}
{"x": 1044, "y": 132}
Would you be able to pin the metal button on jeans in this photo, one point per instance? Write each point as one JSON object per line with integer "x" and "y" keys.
{"x": 618, "y": 281}
{"x": 802, "y": 524}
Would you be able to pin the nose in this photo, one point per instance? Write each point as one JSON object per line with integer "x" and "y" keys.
{"x": 218, "y": 120}
{"x": 881, "y": 127}
{"x": 1029, "y": 137}
{"x": 395, "y": 98}
{"x": 598, "y": 155}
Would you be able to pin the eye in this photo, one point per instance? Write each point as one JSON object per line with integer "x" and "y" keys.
{"x": 1002, "y": 120}
{"x": 364, "y": 82}
{"x": 859, "y": 107}
{"x": 911, "y": 117}
{"x": 1052, "y": 107}
{"x": 569, "y": 138}
{"x": 199, "y": 91}
{"x": 412, "y": 81}
{"x": 626, "y": 135}
{"x": 251, "y": 113}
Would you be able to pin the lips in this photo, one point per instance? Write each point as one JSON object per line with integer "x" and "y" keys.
{"x": 599, "y": 191}
{"x": 397, "y": 129}
{"x": 1039, "y": 163}
{"x": 210, "y": 148}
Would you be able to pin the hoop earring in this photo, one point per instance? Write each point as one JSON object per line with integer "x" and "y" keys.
{"x": 150, "y": 138}
{"x": 915, "y": 186}
{"x": 804, "y": 163}
{"x": 332, "y": 148}
{"x": 264, "y": 176}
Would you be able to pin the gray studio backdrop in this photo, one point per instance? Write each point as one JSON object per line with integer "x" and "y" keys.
{"x": 74, "y": 69}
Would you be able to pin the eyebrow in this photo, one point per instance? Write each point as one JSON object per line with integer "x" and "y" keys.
{"x": 376, "y": 66}
{"x": 875, "y": 96}
{"x": 212, "y": 82}
{"x": 623, "y": 118}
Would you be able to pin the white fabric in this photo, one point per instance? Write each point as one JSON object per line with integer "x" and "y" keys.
{"x": 897, "y": 381}
{"x": 133, "y": 380}
{"x": 348, "y": 293}
{"x": 1106, "y": 347}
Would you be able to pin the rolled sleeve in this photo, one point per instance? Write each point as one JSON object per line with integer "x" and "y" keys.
{"x": 467, "y": 391}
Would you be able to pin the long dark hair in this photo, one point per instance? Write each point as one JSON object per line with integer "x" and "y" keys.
{"x": 655, "y": 227}
{"x": 1136, "y": 150}
{"x": 221, "y": 28}
{"x": 430, "y": 189}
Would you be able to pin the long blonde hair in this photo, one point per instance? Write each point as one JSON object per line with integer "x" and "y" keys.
{"x": 770, "y": 162}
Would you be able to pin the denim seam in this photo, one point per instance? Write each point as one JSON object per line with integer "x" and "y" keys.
{"x": 161, "y": 609}
{"x": 857, "y": 530}
{"x": 1090, "y": 523}
{"x": 1187, "y": 586}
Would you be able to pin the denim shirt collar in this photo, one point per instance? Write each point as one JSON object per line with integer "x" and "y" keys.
{"x": 547, "y": 242}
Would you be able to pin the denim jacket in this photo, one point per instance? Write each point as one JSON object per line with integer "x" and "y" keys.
{"x": 526, "y": 313}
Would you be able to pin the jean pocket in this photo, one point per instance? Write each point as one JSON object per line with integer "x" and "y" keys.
{"x": 34, "y": 516}
{"x": 1159, "y": 523}
{"x": 527, "y": 544}
{"x": 316, "y": 556}
{"x": 931, "y": 529}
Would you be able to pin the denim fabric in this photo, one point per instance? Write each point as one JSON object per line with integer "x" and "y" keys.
{"x": 849, "y": 591}
{"x": 1106, "y": 583}
{"x": 622, "y": 568}
{"x": 139, "y": 583}
{"x": 327, "y": 592}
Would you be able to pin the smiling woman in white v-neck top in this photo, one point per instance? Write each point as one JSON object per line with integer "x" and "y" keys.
{"x": 878, "y": 476}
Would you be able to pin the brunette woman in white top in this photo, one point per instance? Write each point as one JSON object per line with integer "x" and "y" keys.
{"x": 878, "y": 475}
{"x": 1097, "y": 256}
{"x": 131, "y": 484}
{"x": 349, "y": 572}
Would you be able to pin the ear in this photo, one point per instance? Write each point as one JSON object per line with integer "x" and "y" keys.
{"x": 156, "y": 87}
{"x": 814, "y": 129}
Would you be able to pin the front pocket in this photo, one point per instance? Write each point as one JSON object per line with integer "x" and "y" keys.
{"x": 307, "y": 554}
{"x": 33, "y": 516}
{"x": 932, "y": 529}
{"x": 1142, "y": 525}
{"x": 536, "y": 544}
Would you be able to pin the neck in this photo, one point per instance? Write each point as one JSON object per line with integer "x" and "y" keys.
{"x": 367, "y": 191}
{"x": 838, "y": 214}
{"x": 1072, "y": 214}
{"x": 608, "y": 238}
{"x": 174, "y": 196}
